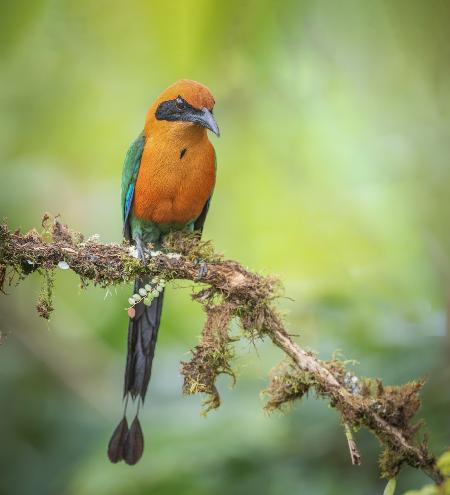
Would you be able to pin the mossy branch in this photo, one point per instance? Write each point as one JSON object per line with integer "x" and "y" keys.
{"x": 228, "y": 291}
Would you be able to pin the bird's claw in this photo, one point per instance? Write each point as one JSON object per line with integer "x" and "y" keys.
{"x": 142, "y": 250}
{"x": 202, "y": 268}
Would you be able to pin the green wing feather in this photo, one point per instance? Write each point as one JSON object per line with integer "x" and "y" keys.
{"x": 129, "y": 176}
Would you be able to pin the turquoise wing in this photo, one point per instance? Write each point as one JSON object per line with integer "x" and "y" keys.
{"x": 129, "y": 176}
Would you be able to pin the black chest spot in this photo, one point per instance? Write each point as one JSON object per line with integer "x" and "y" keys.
{"x": 182, "y": 153}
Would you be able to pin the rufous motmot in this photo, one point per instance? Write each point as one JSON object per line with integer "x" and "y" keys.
{"x": 167, "y": 182}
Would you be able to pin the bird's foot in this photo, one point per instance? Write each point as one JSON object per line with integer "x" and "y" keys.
{"x": 142, "y": 250}
{"x": 202, "y": 268}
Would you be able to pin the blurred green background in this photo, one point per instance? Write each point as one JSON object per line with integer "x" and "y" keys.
{"x": 333, "y": 174}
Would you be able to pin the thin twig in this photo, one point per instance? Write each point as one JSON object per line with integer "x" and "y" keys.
{"x": 355, "y": 456}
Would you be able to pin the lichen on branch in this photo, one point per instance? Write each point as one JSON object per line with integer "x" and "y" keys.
{"x": 228, "y": 292}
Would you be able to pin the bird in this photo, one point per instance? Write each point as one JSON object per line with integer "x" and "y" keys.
{"x": 168, "y": 178}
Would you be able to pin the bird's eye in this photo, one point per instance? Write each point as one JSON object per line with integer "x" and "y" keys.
{"x": 179, "y": 103}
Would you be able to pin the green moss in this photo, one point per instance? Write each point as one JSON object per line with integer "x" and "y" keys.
{"x": 211, "y": 357}
{"x": 191, "y": 246}
{"x": 44, "y": 304}
{"x": 131, "y": 266}
{"x": 390, "y": 462}
{"x": 287, "y": 384}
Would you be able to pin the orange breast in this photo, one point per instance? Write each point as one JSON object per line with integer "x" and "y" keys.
{"x": 170, "y": 189}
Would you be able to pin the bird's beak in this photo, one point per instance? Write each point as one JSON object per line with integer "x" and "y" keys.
{"x": 206, "y": 119}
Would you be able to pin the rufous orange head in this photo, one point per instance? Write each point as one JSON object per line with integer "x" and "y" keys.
{"x": 185, "y": 105}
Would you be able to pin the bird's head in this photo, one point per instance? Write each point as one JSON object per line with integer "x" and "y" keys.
{"x": 185, "y": 107}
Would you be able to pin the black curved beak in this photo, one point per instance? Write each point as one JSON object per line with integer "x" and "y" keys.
{"x": 204, "y": 118}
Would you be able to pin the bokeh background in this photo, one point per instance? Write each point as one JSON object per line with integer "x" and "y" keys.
{"x": 333, "y": 173}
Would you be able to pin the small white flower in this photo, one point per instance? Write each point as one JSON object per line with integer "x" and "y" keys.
{"x": 142, "y": 292}
{"x": 155, "y": 293}
{"x": 63, "y": 265}
{"x": 148, "y": 288}
{"x": 136, "y": 297}
{"x": 131, "y": 300}
{"x": 155, "y": 253}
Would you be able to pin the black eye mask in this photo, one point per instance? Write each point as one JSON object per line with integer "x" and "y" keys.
{"x": 179, "y": 110}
